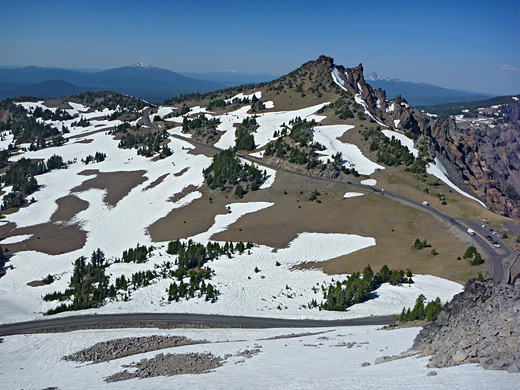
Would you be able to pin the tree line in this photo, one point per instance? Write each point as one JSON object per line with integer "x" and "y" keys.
{"x": 358, "y": 288}
{"x": 422, "y": 310}
{"x": 21, "y": 176}
{"x": 226, "y": 171}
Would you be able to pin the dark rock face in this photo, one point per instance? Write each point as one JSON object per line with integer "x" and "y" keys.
{"x": 513, "y": 111}
{"x": 480, "y": 325}
{"x": 486, "y": 162}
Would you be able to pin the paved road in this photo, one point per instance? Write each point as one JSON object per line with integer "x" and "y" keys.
{"x": 84, "y": 321}
{"x": 126, "y": 320}
{"x": 496, "y": 256}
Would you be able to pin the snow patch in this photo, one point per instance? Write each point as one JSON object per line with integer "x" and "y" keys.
{"x": 336, "y": 77}
{"x": 241, "y": 96}
{"x": 369, "y": 182}
{"x": 405, "y": 141}
{"x": 328, "y": 137}
{"x": 439, "y": 171}
{"x": 16, "y": 239}
{"x": 352, "y": 194}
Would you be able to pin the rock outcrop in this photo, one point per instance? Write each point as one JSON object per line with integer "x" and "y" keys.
{"x": 486, "y": 161}
{"x": 481, "y": 158}
{"x": 480, "y": 325}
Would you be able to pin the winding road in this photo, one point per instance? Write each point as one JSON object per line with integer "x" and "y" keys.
{"x": 131, "y": 319}
{"x": 496, "y": 256}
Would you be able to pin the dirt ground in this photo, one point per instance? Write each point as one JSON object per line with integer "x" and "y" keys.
{"x": 50, "y": 238}
{"x": 60, "y": 234}
{"x": 117, "y": 184}
{"x": 394, "y": 226}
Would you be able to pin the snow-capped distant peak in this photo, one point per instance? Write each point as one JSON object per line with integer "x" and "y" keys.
{"x": 375, "y": 77}
{"x": 142, "y": 65}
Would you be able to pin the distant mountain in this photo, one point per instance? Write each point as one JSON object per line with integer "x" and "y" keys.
{"x": 140, "y": 80}
{"x": 45, "y": 89}
{"x": 421, "y": 94}
{"x": 231, "y": 78}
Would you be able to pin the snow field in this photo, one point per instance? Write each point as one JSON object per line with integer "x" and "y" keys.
{"x": 162, "y": 112}
{"x": 227, "y": 124}
{"x": 113, "y": 229}
{"x": 222, "y": 221}
{"x": 6, "y": 138}
{"x": 241, "y": 96}
{"x": 328, "y": 137}
{"x": 268, "y": 122}
{"x": 301, "y": 362}
{"x": 276, "y": 290}
{"x": 31, "y": 106}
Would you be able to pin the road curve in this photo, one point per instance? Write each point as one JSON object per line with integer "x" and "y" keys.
{"x": 495, "y": 258}
{"x": 126, "y": 320}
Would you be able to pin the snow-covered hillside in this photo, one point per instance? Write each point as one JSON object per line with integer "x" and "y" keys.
{"x": 260, "y": 282}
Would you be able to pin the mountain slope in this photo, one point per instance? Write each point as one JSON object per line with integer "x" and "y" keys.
{"x": 322, "y": 80}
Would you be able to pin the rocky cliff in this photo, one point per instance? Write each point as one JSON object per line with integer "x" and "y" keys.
{"x": 484, "y": 160}
{"x": 480, "y": 325}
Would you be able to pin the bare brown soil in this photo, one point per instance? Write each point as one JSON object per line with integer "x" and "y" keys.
{"x": 394, "y": 226}
{"x": 156, "y": 182}
{"x": 187, "y": 221}
{"x": 49, "y": 238}
{"x": 182, "y": 172}
{"x": 68, "y": 207}
{"x": 55, "y": 237}
{"x": 85, "y": 141}
{"x": 83, "y": 135}
{"x": 117, "y": 184}
{"x": 183, "y": 193}
{"x": 36, "y": 283}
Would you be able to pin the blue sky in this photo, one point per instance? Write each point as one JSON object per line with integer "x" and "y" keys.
{"x": 472, "y": 45}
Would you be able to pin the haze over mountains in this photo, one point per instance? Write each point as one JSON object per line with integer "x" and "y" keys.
{"x": 140, "y": 80}
{"x": 421, "y": 94}
{"x": 156, "y": 84}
